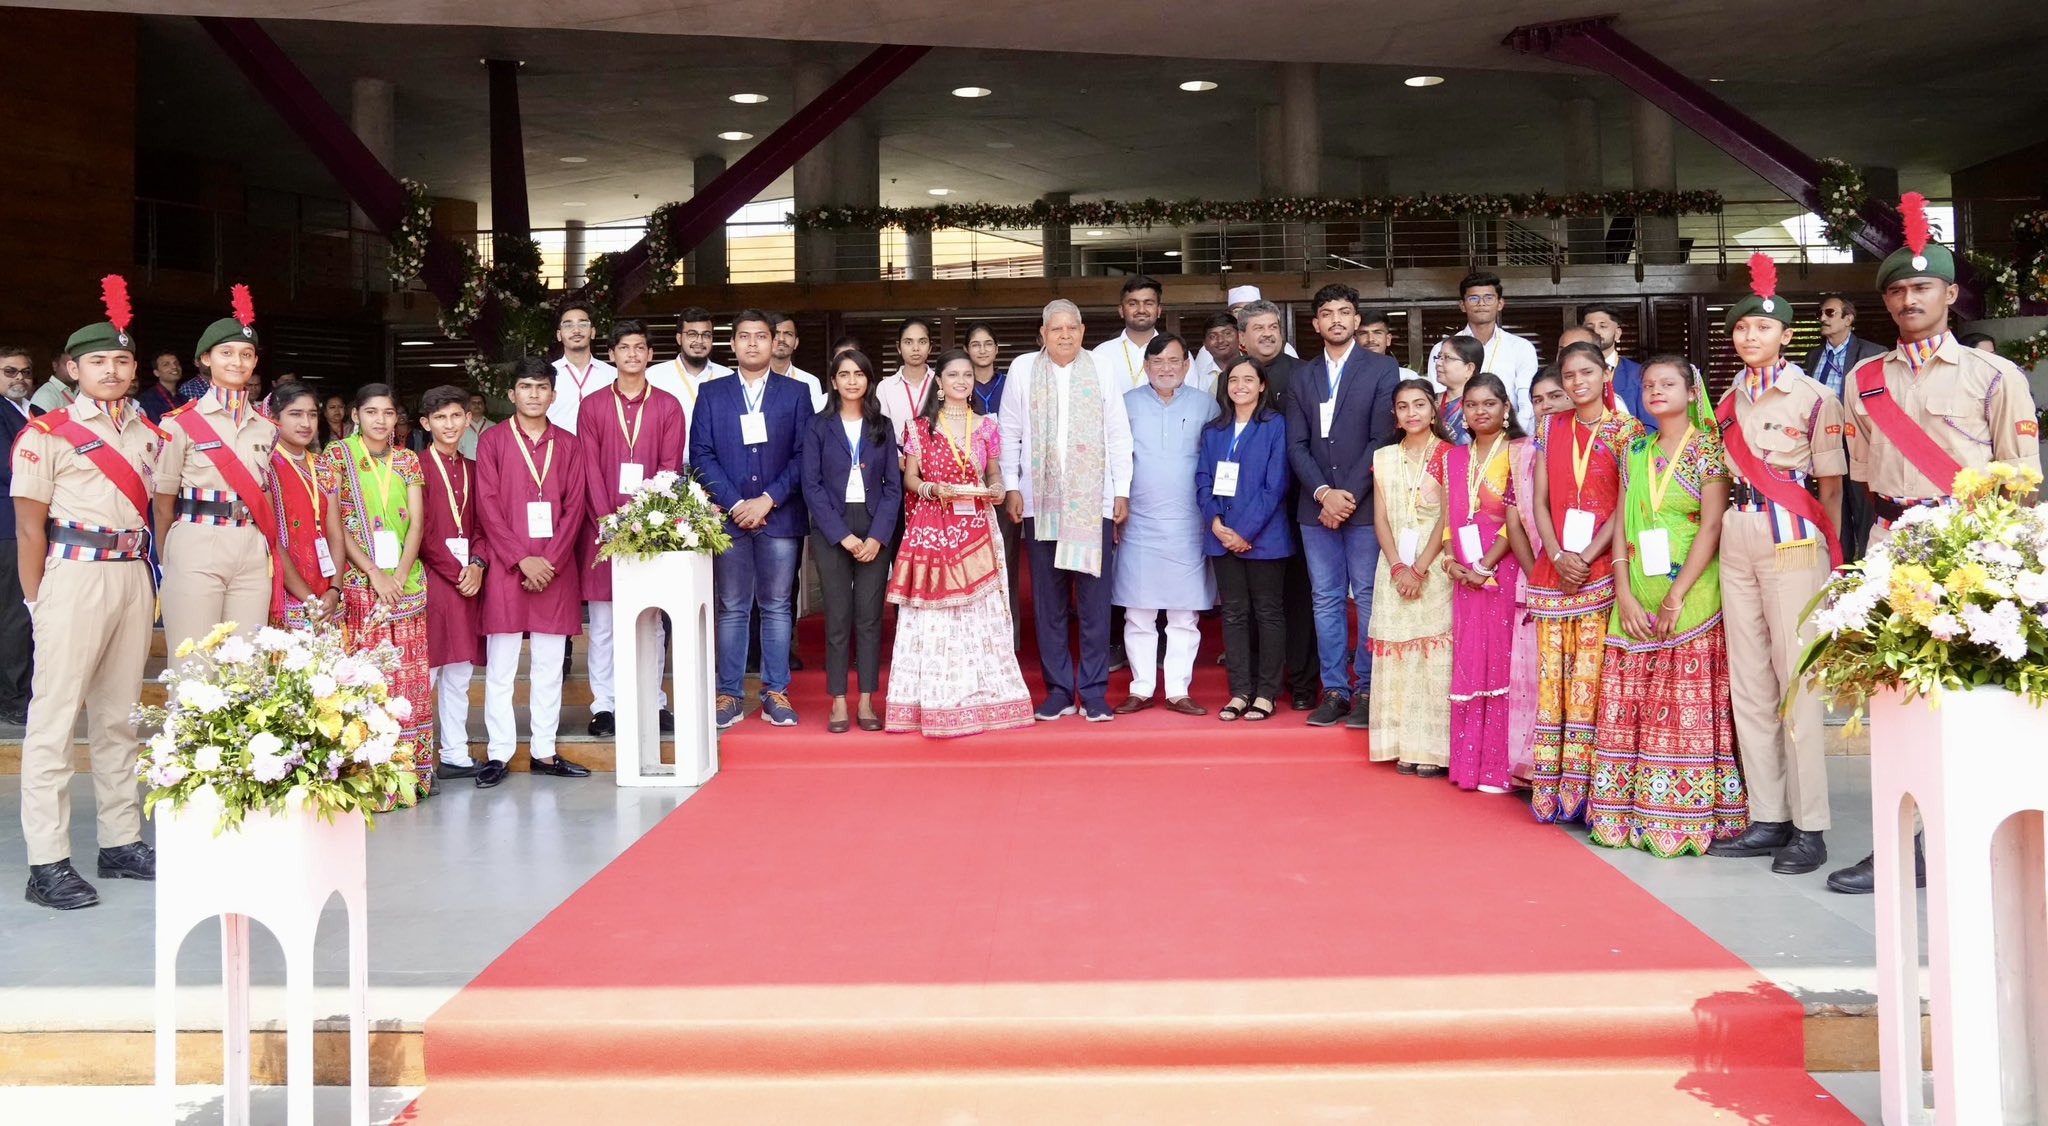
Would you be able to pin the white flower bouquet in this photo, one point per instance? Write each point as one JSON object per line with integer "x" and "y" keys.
{"x": 1957, "y": 598}
{"x": 667, "y": 512}
{"x": 279, "y": 721}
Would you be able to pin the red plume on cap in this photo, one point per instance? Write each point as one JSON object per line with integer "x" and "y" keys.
{"x": 1763, "y": 275}
{"x": 245, "y": 305}
{"x": 1913, "y": 209}
{"x": 114, "y": 294}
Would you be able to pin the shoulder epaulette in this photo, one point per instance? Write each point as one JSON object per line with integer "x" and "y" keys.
{"x": 48, "y": 421}
{"x": 176, "y": 411}
{"x": 154, "y": 428}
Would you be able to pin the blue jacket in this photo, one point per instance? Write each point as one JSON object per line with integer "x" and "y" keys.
{"x": 12, "y": 423}
{"x": 1364, "y": 422}
{"x": 1628, "y": 389}
{"x": 1257, "y": 512}
{"x": 733, "y": 471}
{"x": 827, "y": 460}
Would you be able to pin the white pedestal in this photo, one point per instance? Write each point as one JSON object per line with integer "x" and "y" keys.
{"x": 1973, "y": 767}
{"x": 677, "y": 583}
{"x": 279, "y": 871}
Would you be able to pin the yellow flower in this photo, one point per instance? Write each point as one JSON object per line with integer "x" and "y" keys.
{"x": 1968, "y": 579}
{"x": 353, "y": 735}
{"x": 1912, "y": 592}
{"x": 185, "y": 648}
{"x": 1970, "y": 484}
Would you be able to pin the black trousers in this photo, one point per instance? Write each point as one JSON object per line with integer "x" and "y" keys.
{"x": 17, "y": 636}
{"x": 1013, "y": 559}
{"x": 853, "y": 605}
{"x": 1297, "y": 608}
{"x": 1857, "y": 519}
{"x": 1251, "y": 593}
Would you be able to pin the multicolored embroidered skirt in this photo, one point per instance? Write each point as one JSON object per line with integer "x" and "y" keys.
{"x": 1665, "y": 777}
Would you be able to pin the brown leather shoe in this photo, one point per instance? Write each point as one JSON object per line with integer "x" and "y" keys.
{"x": 1186, "y": 706}
{"x": 1133, "y": 704}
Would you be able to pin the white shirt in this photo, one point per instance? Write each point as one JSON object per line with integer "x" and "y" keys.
{"x": 901, "y": 399}
{"x": 20, "y": 405}
{"x": 572, "y": 387}
{"x": 1512, "y": 358}
{"x": 1015, "y": 421}
{"x": 808, "y": 380}
{"x": 1118, "y": 356}
{"x": 1203, "y": 371}
{"x": 672, "y": 377}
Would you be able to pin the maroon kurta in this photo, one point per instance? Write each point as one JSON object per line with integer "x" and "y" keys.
{"x": 655, "y": 420}
{"x": 504, "y": 487}
{"x": 455, "y": 631}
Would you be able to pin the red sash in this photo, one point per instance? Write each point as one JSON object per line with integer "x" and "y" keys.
{"x": 106, "y": 458}
{"x": 1785, "y": 494}
{"x": 242, "y": 482}
{"x": 1925, "y": 454}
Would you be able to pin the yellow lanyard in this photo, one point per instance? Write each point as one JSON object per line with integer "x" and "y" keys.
{"x": 1124, "y": 345}
{"x": 1475, "y": 473}
{"x": 1582, "y": 459}
{"x": 1660, "y": 483}
{"x": 1413, "y": 475}
{"x": 383, "y": 478}
{"x": 639, "y": 418}
{"x": 960, "y": 451}
{"x": 448, "y": 486}
{"x": 540, "y": 476}
{"x": 306, "y": 482}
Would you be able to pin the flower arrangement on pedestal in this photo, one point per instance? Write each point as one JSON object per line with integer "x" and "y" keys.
{"x": 1841, "y": 192}
{"x": 1956, "y": 599}
{"x": 2000, "y": 282}
{"x": 277, "y": 722}
{"x": 409, "y": 242}
{"x": 667, "y": 512}
{"x": 662, "y": 255}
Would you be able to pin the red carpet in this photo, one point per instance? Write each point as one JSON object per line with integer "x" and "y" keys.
{"x": 1159, "y": 920}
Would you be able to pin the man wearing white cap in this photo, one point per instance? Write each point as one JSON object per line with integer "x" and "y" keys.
{"x": 1242, "y": 295}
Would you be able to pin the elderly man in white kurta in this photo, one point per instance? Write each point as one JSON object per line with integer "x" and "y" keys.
{"x": 1160, "y": 564}
{"x": 1067, "y": 476}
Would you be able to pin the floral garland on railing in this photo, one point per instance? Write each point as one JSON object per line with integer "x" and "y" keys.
{"x": 1841, "y": 191}
{"x": 2030, "y": 236}
{"x": 2000, "y": 281}
{"x": 600, "y": 286}
{"x": 1192, "y": 212}
{"x": 455, "y": 319}
{"x": 662, "y": 256}
{"x": 415, "y": 228}
{"x": 2027, "y": 350}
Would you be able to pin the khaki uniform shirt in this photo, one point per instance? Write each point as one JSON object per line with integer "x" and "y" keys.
{"x": 1974, "y": 404}
{"x": 1796, "y": 426}
{"x": 184, "y": 467}
{"x": 48, "y": 469}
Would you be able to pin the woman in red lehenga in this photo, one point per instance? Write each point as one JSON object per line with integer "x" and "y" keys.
{"x": 953, "y": 671}
{"x": 308, "y": 590}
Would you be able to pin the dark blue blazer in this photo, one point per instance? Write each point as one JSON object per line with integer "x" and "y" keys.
{"x": 1257, "y": 512}
{"x": 1628, "y": 389}
{"x": 827, "y": 460}
{"x": 12, "y": 423}
{"x": 733, "y": 471}
{"x": 1364, "y": 422}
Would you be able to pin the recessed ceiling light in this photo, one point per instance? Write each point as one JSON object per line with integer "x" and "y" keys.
{"x": 574, "y": 203}
{"x": 1198, "y": 86}
{"x": 1424, "y": 80}
{"x": 1001, "y": 145}
{"x": 441, "y": 365}
{"x": 1717, "y": 80}
{"x": 735, "y": 135}
{"x": 414, "y": 343}
{"x": 575, "y": 160}
{"x": 971, "y": 91}
{"x": 938, "y": 191}
{"x": 748, "y": 99}
{"x": 1094, "y": 234}
{"x": 1173, "y": 254}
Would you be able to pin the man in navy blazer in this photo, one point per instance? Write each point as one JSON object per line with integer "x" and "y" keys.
{"x": 17, "y": 380}
{"x": 1840, "y": 352}
{"x": 746, "y": 445}
{"x": 1340, "y": 408}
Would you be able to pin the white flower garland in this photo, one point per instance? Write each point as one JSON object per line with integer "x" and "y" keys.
{"x": 409, "y": 242}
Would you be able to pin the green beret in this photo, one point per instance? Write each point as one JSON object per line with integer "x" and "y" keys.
{"x": 101, "y": 337}
{"x": 1776, "y": 308}
{"x": 1937, "y": 261}
{"x": 222, "y": 331}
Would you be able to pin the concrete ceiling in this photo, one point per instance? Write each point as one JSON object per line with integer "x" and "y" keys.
{"x": 1086, "y": 94}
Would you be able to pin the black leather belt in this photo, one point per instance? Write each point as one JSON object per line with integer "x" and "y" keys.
{"x": 128, "y": 542}
{"x": 1742, "y": 492}
{"x": 216, "y": 509}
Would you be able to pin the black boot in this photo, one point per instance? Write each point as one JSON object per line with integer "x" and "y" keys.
{"x": 59, "y": 885}
{"x": 1762, "y": 838}
{"x": 1806, "y": 853}
{"x": 128, "y": 862}
{"x": 1861, "y": 878}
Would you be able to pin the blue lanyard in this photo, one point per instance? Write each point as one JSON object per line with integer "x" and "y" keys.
{"x": 1236, "y": 437}
{"x": 995, "y": 385}
{"x": 754, "y": 399}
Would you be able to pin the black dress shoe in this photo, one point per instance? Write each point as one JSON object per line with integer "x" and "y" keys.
{"x": 1361, "y": 712}
{"x": 491, "y": 773}
{"x": 58, "y": 885}
{"x": 1302, "y": 700}
{"x": 1118, "y": 661}
{"x": 128, "y": 862}
{"x": 1860, "y": 878}
{"x": 1762, "y": 838}
{"x": 1334, "y": 708}
{"x": 667, "y": 720}
{"x": 602, "y": 725}
{"x": 16, "y": 716}
{"x": 450, "y": 770}
{"x": 559, "y": 767}
{"x": 1806, "y": 853}
{"x": 796, "y": 663}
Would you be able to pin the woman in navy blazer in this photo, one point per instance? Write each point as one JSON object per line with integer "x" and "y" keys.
{"x": 853, "y": 516}
{"x": 1241, "y": 482}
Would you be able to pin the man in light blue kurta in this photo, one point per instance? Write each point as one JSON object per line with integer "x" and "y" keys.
{"x": 1160, "y": 564}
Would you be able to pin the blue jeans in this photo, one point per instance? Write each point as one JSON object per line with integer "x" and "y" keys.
{"x": 1340, "y": 563}
{"x": 759, "y": 570}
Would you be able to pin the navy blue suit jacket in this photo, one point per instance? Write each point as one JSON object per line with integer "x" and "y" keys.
{"x": 12, "y": 423}
{"x": 733, "y": 471}
{"x": 1364, "y": 422}
{"x": 1628, "y": 388}
{"x": 828, "y": 459}
{"x": 1257, "y": 512}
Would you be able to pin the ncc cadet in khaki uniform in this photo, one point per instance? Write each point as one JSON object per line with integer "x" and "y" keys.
{"x": 82, "y": 481}
{"x": 1779, "y": 542}
{"x": 212, "y": 493}
{"x": 1927, "y": 408}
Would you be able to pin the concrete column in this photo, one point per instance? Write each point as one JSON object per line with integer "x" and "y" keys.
{"x": 857, "y": 180}
{"x": 812, "y": 176}
{"x": 708, "y": 262}
{"x": 1190, "y": 253}
{"x": 1301, "y": 159}
{"x": 1654, "y": 154}
{"x": 372, "y": 112}
{"x": 1585, "y": 239}
{"x": 917, "y": 255}
{"x": 1056, "y": 242}
{"x": 575, "y": 260}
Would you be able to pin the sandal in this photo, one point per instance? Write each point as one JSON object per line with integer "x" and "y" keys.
{"x": 1231, "y": 710}
{"x": 1257, "y": 712}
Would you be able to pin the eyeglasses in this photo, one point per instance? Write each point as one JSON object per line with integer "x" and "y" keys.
{"x": 574, "y": 324}
{"x": 13, "y": 373}
{"x": 1481, "y": 299}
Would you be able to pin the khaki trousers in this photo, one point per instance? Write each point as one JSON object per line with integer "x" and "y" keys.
{"x": 1784, "y": 761}
{"x": 213, "y": 574}
{"x": 92, "y": 627}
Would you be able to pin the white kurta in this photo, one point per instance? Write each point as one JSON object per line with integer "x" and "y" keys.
{"x": 1512, "y": 358}
{"x": 671, "y": 376}
{"x": 810, "y": 383}
{"x": 1123, "y": 360}
{"x": 1160, "y": 563}
{"x": 1015, "y": 417}
{"x": 573, "y": 386}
